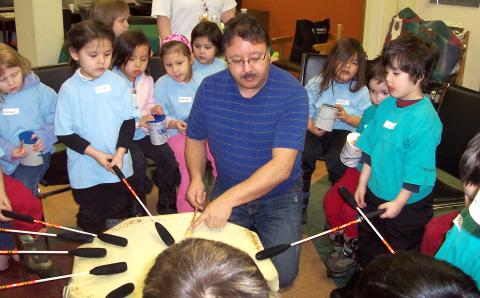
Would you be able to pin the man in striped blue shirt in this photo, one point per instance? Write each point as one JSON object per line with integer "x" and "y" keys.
{"x": 254, "y": 117}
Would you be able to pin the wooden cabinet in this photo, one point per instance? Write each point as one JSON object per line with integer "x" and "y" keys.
{"x": 263, "y": 17}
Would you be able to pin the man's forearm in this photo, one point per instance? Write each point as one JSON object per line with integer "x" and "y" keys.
{"x": 227, "y": 15}
{"x": 196, "y": 158}
{"x": 163, "y": 25}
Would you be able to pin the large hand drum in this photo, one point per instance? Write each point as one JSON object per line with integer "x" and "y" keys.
{"x": 144, "y": 245}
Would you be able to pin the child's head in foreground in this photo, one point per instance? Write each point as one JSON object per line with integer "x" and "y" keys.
{"x": 204, "y": 268}
{"x": 410, "y": 274}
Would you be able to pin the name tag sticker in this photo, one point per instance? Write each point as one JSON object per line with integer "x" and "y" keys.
{"x": 458, "y": 221}
{"x": 103, "y": 89}
{"x": 343, "y": 102}
{"x": 184, "y": 99}
{"x": 389, "y": 124}
{"x": 10, "y": 111}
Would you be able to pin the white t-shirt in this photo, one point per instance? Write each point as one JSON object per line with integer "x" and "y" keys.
{"x": 184, "y": 15}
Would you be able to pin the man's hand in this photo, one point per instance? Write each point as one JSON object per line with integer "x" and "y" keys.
{"x": 216, "y": 214}
{"x": 196, "y": 195}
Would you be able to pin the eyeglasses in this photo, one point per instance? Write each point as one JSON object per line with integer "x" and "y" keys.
{"x": 250, "y": 61}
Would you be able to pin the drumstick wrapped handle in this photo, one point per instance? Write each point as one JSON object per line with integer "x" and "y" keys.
{"x": 113, "y": 239}
{"x": 92, "y": 252}
{"x": 109, "y": 269}
{"x": 122, "y": 291}
{"x": 75, "y": 237}
{"x": 164, "y": 234}
{"x": 18, "y": 216}
{"x": 347, "y": 197}
{"x": 271, "y": 251}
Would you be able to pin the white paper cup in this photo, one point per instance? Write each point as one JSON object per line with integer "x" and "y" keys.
{"x": 33, "y": 158}
{"x": 326, "y": 117}
{"x": 243, "y": 10}
{"x": 71, "y": 7}
{"x": 158, "y": 130}
{"x": 351, "y": 154}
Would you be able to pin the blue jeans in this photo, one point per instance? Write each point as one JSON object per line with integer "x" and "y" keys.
{"x": 277, "y": 221}
{"x": 31, "y": 176}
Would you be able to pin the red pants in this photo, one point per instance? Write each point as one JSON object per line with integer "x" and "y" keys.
{"x": 337, "y": 211}
{"x": 435, "y": 232}
{"x": 23, "y": 201}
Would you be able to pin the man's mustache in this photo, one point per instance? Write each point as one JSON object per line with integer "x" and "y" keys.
{"x": 248, "y": 76}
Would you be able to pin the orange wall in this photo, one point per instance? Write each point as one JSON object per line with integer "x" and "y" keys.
{"x": 284, "y": 13}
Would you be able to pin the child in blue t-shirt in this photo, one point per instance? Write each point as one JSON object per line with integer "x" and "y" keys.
{"x": 207, "y": 48}
{"x": 175, "y": 92}
{"x": 131, "y": 54}
{"x": 95, "y": 119}
{"x": 341, "y": 83}
{"x": 399, "y": 152}
{"x": 27, "y": 105}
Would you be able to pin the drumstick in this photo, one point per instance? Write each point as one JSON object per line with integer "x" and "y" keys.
{"x": 350, "y": 200}
{"x": 121, "y": 291}
{"x": 108, "y": 269}
{"x": 91, "y": 252}
{"x": 189, "y": 231}
{"x": 64, "y": 236}
{"x": 109, "y": 238}
{"x": 277, "y": 249}
{"x": 161, "y": 230}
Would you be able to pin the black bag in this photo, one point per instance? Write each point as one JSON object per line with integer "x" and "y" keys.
{"x": 308, "y": 33}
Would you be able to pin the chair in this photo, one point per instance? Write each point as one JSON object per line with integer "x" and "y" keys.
{"x": 280, "y": 43}
{"x": 458, "y": 112}
{"x": 311, "y": 65}
{"x": 155, "y": 67}
{"x": 54, "y": 75}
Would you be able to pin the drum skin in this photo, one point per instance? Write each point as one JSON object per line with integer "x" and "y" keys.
{"x": 144, "y": 245}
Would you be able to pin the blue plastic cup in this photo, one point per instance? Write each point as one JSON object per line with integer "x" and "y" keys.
{"x": 33, "y": 158}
